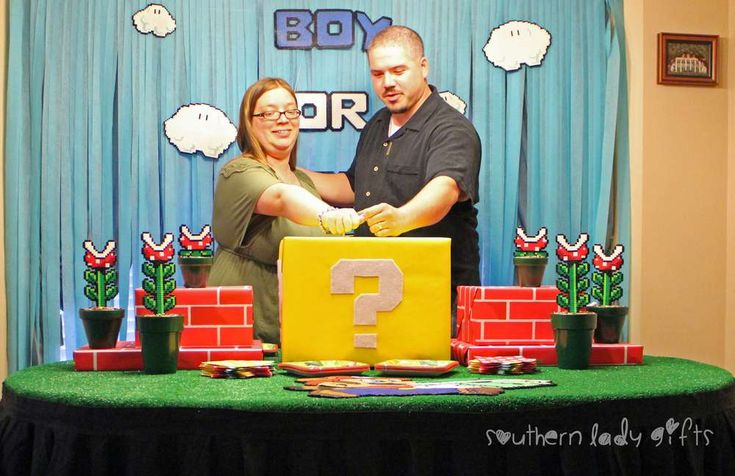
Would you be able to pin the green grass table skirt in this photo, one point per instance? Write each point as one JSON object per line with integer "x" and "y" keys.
{"x": 668, "y": 416}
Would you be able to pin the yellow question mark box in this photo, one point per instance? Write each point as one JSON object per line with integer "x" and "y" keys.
{"x": 365, "y": 299}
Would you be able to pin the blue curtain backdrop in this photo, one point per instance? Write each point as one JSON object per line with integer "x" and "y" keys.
{"x": 86, "y": 157}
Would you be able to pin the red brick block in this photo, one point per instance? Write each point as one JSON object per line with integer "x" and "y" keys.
{"x": 520, "y": 342}
{"x": 241, "y": 353}
{"x": 199, "y": 337}
{"x": 507, "y": 330}
{"x": 83, "y": 360}
{"x": 249, "y": 315}
{"x": 123, "y": 357}
{"x": 507, "y": 293}
{"x": 546, "y": 293}
{"x": 544, "y": 355}
{"x": 196, "y": 296}
{"x": 126, "y": 357}
{"x": 607, "y": 354}
{"x": 183, "y": 310}
{"x": 466, "y": 295}
{"x": 125, "y": 360}
{"x": 634, "y": 354}
{"x": 532, "y": 310}
{"x": 543, "y": 330}
{"x": 236, "y": 295}
{"x": 191, "y": 358}
{"x": 492, "y": 351}
{"x": 459, "y": 351}
{"x": 139, "y": 293}
{"x": 471, "y": 330}
{"x": 602, "y": 354}
{"x": 235, "y": 335}
{"x": 142, "y": 311}
{"x": 489, "y": 310}
{"x": 217, "y": 315}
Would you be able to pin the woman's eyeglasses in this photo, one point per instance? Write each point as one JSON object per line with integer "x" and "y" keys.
{"x": 276, "y": 115}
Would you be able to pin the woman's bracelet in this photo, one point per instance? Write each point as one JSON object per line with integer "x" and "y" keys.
{"x": 321, "y": 215}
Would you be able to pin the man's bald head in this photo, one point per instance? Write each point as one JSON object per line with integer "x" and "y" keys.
{"x": 397, "y": 35}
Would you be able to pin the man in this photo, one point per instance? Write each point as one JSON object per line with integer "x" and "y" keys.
{"x": 415, "y": 171}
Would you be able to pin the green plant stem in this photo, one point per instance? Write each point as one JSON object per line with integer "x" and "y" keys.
{"x": 573, "y": 288}
{"x": 159, "y": 288}
{"x": 100, "y": 275}
{"x": 605, "y": 289}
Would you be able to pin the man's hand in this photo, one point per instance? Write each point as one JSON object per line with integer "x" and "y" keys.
{"x": 386, "y": 220}
{"x": 429, "y": 206}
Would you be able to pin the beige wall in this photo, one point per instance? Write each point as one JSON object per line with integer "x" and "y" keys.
{"x": 730, "y": 288}
{"x": 3, "y": 74}
{"x": 679, "y": 139}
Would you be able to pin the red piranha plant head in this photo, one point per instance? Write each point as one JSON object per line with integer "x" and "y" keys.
{"x": 198, "y": 242}
{"x": 100, "y": 259}
{"x": 612, "y": 262}
{"x": 572, "y": 253}
{"x": 531, "y": 244}
{"x": 153, "y": 251}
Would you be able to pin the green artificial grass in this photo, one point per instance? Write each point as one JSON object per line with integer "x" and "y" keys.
{"x": 657, "y": 377}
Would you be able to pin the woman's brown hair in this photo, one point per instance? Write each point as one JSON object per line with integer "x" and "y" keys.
{"x": 245, "y": 137}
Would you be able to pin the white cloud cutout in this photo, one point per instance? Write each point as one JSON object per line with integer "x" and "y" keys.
{"x": 154, "y": 18}
{"x": 517, "y": 42}
{"x": 200, "y": 128}
{"x": 453, "y": 100}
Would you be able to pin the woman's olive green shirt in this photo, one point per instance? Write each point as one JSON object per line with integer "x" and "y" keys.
{"x": 247, "y": 243}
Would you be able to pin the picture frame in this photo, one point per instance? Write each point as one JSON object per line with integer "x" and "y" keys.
{"x": 687, "y": 59}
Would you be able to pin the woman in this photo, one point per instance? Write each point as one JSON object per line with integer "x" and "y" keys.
{"x": 261, "y": 197}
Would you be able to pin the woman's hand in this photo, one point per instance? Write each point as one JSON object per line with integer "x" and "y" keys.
{"x": 338, "y": 221}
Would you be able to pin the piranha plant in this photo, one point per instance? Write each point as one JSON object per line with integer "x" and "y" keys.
{"x": 530, "y": 258}
{"x": 573, "y": 329}
{"x": 607, "y": 278}
{"x": 571, "y": 271}
{"x": 101, "y": 323}
{"x": 159, "y": 332}
{"x": 195, "y": 256}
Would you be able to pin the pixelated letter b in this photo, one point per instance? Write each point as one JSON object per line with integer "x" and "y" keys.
{"x": 292, "y": 29}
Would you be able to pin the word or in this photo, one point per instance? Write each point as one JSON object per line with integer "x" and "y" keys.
{"x": 333, "y": 29}
{"x": 322, "y": 110}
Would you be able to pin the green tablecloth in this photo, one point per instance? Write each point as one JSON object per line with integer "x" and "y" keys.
{"x": 58, "y": 421}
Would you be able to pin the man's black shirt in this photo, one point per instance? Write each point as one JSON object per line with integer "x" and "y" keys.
{"x": 436, "y": 141}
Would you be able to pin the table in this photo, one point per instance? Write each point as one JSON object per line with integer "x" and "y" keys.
{"x": 667, "y": 416}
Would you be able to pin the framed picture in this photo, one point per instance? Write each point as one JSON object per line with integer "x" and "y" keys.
{"x": 687, "y": 59}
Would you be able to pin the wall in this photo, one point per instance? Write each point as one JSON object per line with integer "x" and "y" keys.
{"x": 679, "y": 138}
{"x": 730, "y": 289}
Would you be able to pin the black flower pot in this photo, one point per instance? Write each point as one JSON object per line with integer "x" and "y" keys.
{"x": 102, "y": 325}
{"x": 573, "y": 338}
{"x": 530, "y": 270}
{"x": 159, "y": 339}
{"x": 610, "y": 320}
{"x": 195, "y": 270}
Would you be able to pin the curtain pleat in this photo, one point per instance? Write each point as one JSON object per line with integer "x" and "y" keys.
{"x": 87, "y": 158}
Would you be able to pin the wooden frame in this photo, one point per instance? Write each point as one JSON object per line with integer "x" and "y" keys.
{"x": 687, "y": 59}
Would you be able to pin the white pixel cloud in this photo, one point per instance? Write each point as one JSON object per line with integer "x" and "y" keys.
{"x": 154, "y": 18}
{"x": 453, "y": 100}
{"x": 515, "y": 43}
{"x": 202, "y": 128}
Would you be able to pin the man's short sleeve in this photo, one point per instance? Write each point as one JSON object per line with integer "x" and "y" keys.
{"x": 455, "y": 152}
